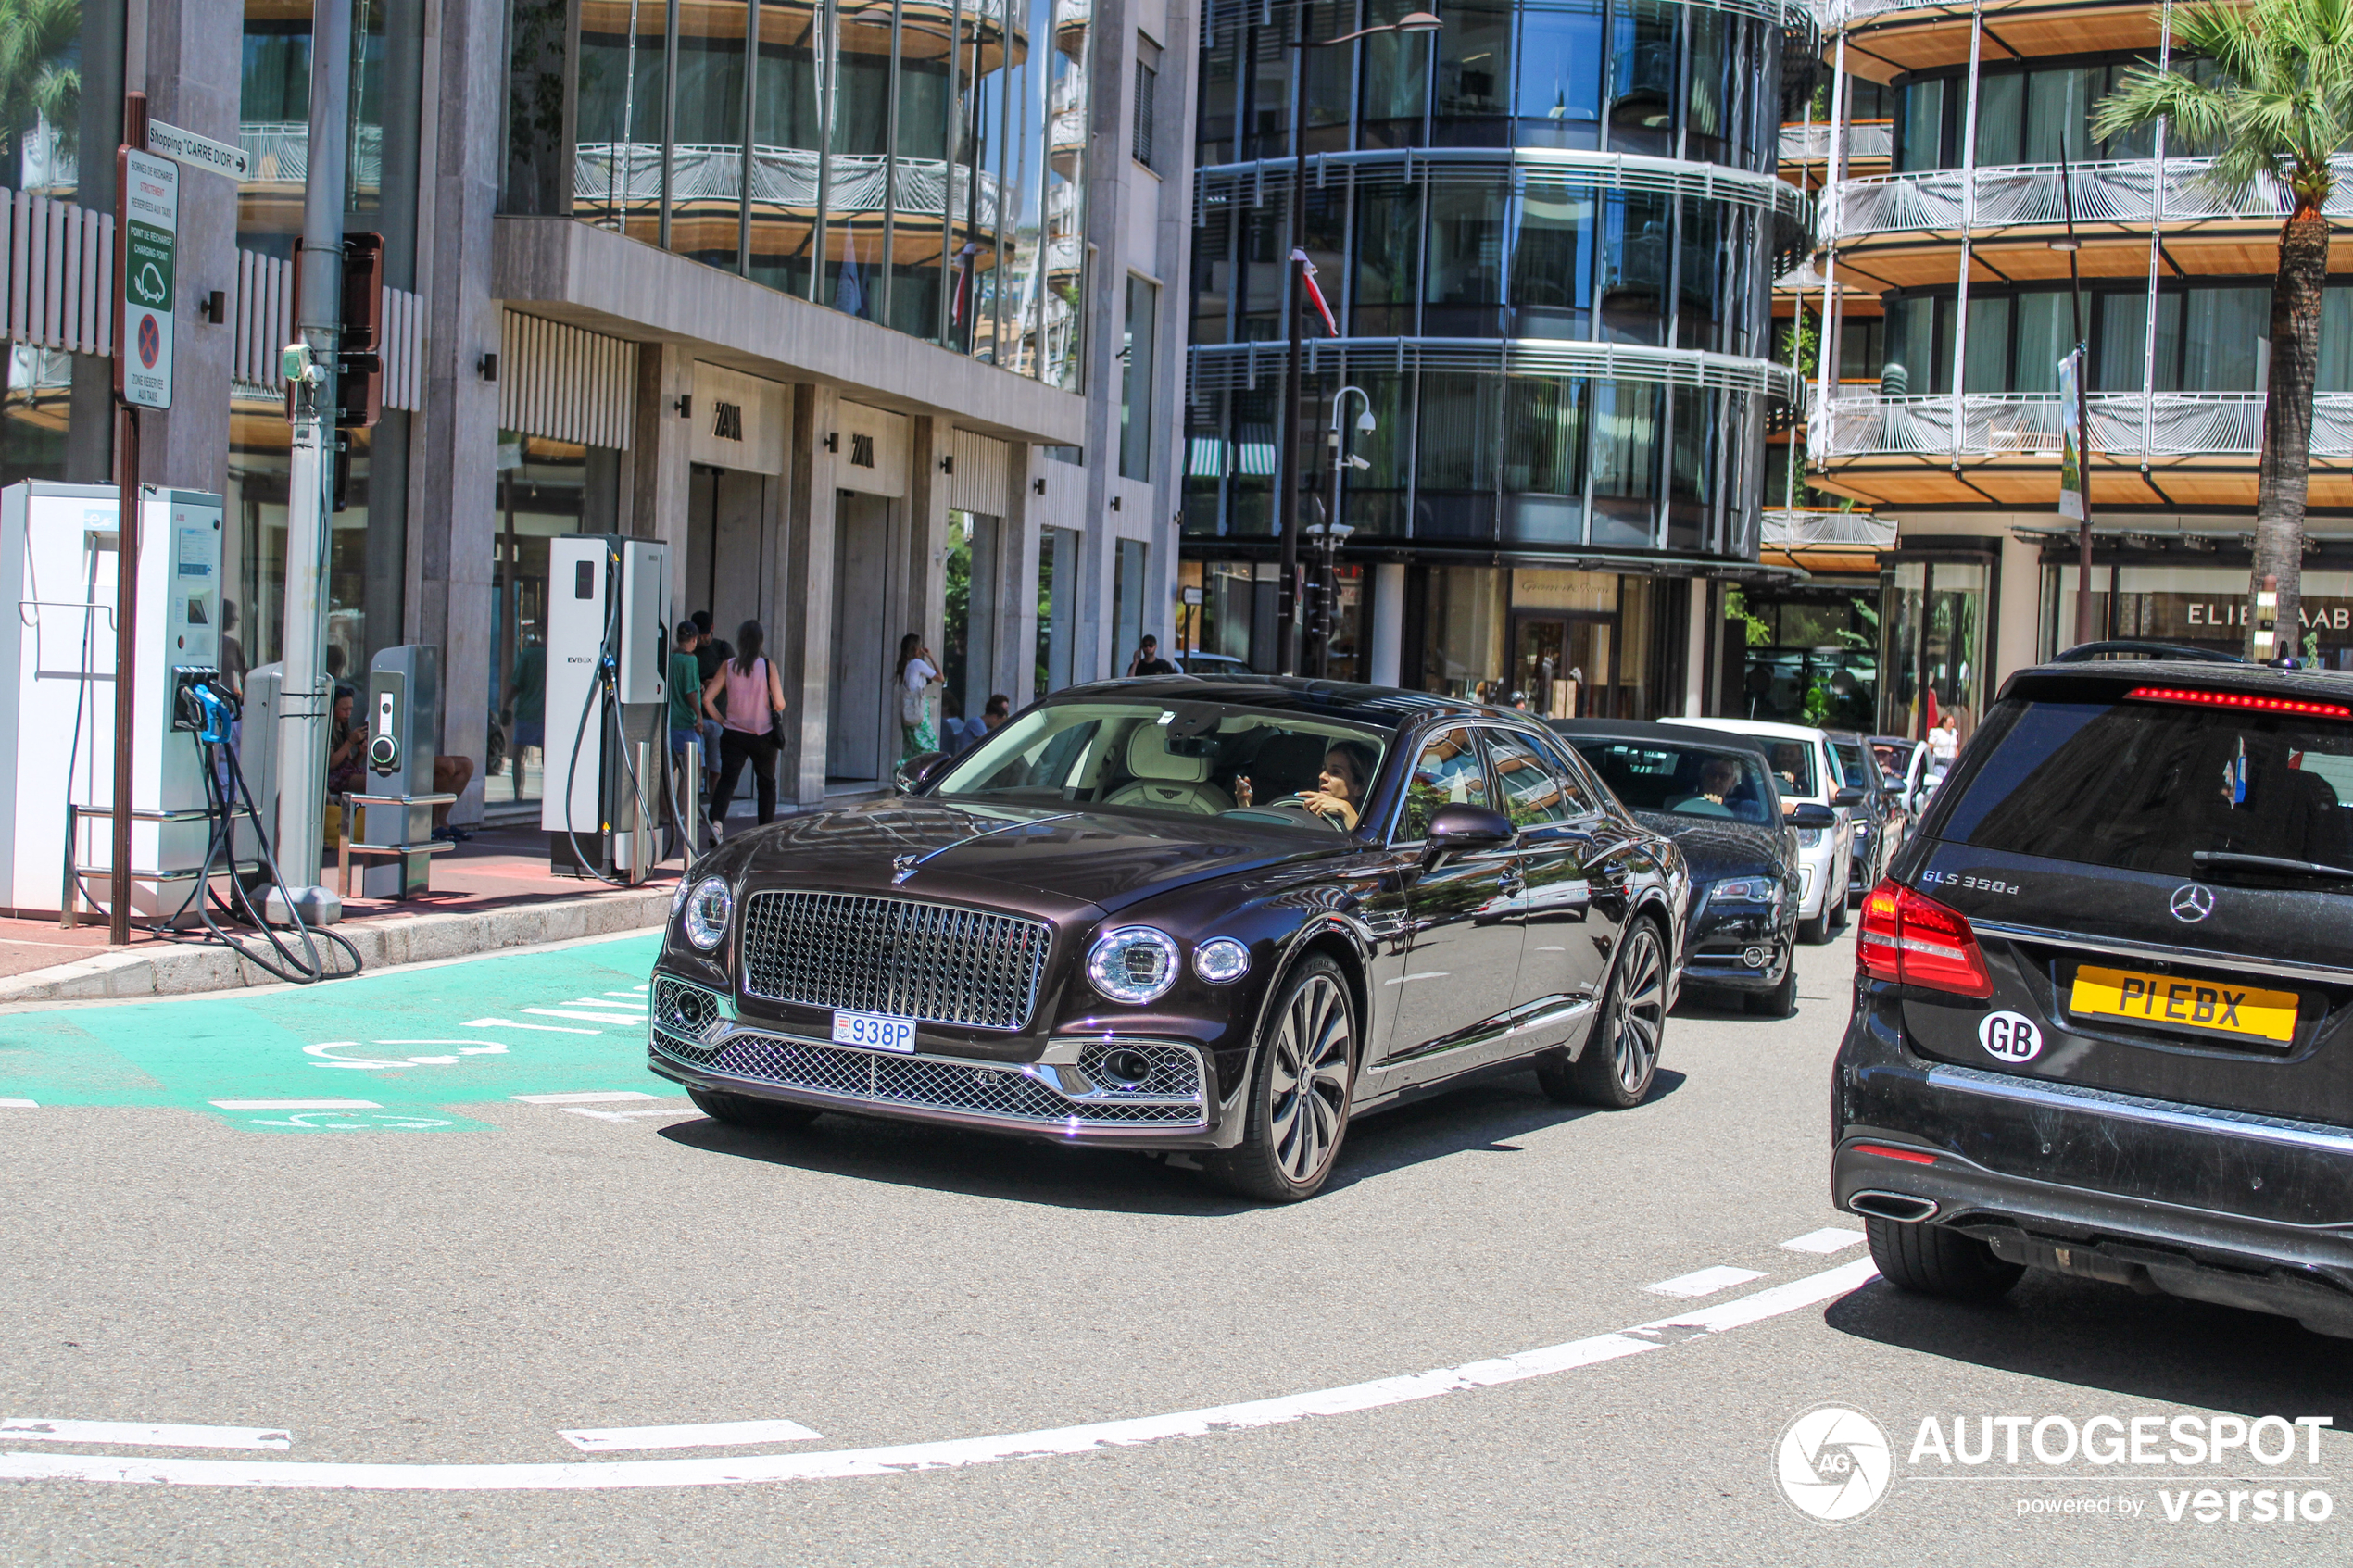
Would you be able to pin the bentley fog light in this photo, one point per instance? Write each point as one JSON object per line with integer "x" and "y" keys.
{"x": 1133, "y": 964}
{"x": 707, "y": 911}
{"x": 1221, "y": 960}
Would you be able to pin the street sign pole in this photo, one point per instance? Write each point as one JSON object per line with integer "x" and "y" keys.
{"x": 306, "y": 700}
{"x": 146, "y": 230}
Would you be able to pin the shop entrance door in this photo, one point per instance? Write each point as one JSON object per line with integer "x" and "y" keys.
{"x": 726, "y": 565}
{"x": 1562, "y": 664}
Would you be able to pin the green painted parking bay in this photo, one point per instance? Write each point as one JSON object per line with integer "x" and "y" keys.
{"x": 382, "y": 1052}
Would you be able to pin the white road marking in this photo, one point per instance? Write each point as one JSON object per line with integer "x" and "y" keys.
{"x": 143, "y": 1434}
{"x": 710, "y": 1434}
{"x": 590, "y": 1096}
{"x": 536, "y": 1028}
{"x": 19, "y": 1104}
{"x": 1834, "y": 1239}
{"x": 625, "y": 1115}
{"x": 1409, "y": 978}
{"x": 578, "y": 1015}
{"x": 298, "y": 1105}
{"x": 1704, "y": 1282}
{"x": 953, "y": 1453}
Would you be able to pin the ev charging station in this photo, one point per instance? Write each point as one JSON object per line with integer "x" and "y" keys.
{"x": 607, "y": 742}
{"x": 58, "y": 546}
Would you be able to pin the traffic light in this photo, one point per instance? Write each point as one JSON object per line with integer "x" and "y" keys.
{"x": 360, "y": 391}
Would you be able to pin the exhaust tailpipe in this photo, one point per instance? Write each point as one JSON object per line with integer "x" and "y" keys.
{"x": 1893, "y": 1205}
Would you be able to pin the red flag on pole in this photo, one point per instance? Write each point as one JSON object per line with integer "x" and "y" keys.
{"x": 1307, "y": 275}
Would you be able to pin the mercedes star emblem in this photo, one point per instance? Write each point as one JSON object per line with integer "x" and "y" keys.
{"x": 2192, "y": 903}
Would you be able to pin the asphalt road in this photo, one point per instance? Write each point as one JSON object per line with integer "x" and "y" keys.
{"x": 379, "y": 1309}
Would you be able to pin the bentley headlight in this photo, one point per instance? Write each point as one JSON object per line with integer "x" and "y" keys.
{"x": 707, "y": 911}
{"x": 1221, "y": 960}
{"x": 1132, "y": 963}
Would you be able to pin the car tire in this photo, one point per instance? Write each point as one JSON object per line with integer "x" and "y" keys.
{"x": 1833, "y": 918}
{"x": 1303, "y": 1084}
{"x": 1937, "y": 1260}
{"x": 743, "y": 1111}
{"x": 1620, "y": 1059}
{"x": 1815, "y": 932}
{"x": 1781, "y": 1000}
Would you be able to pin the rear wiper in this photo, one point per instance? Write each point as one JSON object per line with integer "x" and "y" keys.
{"x": 2228, "y": 860}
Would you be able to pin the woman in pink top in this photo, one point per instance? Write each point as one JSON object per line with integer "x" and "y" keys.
{"x": 746, "y": 722}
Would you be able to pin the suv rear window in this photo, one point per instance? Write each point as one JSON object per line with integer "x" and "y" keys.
{"x": 2142, "y": 785}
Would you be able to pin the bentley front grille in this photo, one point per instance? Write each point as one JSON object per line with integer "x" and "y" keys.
{"x": 1172, "y": 1097}
{"x": 931, "y": 962}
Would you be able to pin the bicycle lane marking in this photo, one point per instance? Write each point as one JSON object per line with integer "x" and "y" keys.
{"x": 411, "y": 1041}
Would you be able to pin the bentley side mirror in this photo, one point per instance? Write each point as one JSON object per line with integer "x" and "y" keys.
{"x": 1848, "y": 798}
{"x": 1461, "y": 828}
{"x": 918, "y": 773}
{"x": 1809, "y": 815}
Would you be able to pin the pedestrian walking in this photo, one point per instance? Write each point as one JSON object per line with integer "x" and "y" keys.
{"x": 755, "y": 698}
{"x": 914, "y": 677}
{"x": 685, "y": 706}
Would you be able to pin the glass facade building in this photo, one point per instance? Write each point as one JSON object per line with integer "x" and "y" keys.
{"x": 919, "y": 164}
{"x": 1548, "y": 234}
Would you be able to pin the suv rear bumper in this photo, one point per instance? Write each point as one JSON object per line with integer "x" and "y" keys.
{"x": 2249, "y": 1212}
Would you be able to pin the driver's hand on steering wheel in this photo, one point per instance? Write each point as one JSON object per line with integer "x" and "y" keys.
{"x": 1331, "y": 806}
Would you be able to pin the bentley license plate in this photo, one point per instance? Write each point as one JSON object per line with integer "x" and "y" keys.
{"x": 2163, "y": 1000}
{"x": 875, "y": 1030}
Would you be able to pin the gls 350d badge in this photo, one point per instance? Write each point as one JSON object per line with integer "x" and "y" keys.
{"x": 1832, "y": 1464}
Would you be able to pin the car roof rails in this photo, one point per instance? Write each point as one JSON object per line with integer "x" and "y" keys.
{"x": 2133, "y": 647}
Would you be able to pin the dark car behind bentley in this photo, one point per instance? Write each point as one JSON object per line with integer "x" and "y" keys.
{"x": 2104, "y": 1007}
{"x": 1183, "y": 914}
{"x": 1714, "y": 795}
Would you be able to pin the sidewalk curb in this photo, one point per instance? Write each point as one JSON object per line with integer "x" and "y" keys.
{"x": 163, "y": 970}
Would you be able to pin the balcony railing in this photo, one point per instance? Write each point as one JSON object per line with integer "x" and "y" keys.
{"x": 277, "y": 151}
{"x": 2123, "y": 424}
{"x": 2036, "y": 194}
{"x": 1801, "y": 142}
{"x": 1805, "y": 528}
{"x": 629, "y": 174}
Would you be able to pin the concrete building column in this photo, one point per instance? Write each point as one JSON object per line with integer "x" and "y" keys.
{"x": 927, "y": 608}
{"x": 660, "y": 446}
{"x": 1387, "y": 663}
{"x": 1696, "y": 670}
{"x": 802, "y": 638}
{"x": 194, "y": 83}
{"x": 1013, "y": 638}
{"x": 459, "y": 430}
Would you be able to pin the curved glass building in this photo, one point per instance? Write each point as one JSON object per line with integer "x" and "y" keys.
{"x": 1548, "y": 234}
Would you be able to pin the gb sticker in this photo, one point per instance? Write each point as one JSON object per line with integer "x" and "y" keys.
{"x": 2009, "y": 1035}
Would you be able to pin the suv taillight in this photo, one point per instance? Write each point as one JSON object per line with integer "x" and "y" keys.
{"x": 1914, "y": 940}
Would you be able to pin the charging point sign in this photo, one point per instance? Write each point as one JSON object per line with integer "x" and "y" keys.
{"x": 150, "y": 241}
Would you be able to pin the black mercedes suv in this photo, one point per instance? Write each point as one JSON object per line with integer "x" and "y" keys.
{"x": 2101, "y": 1001}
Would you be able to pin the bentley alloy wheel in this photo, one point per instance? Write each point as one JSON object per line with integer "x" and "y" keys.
{"x": 1299, "y": 1092}
{"x": 1620, "y": 1057}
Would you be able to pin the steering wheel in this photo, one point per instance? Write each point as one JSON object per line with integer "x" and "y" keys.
{"x": 1287, "y": 809}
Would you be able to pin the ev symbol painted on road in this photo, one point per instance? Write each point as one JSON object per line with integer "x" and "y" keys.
{"x": 2011, "y": 1036}
{"x": 1832, "y": 1464}
{"x": 328, "y": 1050}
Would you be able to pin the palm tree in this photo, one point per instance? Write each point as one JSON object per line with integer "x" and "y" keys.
{"x": 40, "y": 77}
{"x": 2275, "y": 110}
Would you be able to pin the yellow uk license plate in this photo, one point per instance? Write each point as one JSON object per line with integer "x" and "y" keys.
{"x": 2166, "y": 999}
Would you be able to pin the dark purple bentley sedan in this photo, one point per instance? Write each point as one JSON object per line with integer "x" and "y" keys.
{"x": 1214, "y": 917}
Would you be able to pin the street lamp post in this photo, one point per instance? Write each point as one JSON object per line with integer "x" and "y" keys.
{"x": 1330, "y": 534}
{"x": 1286, "y": 513}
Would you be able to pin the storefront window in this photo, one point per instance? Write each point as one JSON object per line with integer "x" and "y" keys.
{"x": 2202, "y": 605}
{"x": 1933, "y": 654}
{"x": 1810, "y": 654}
